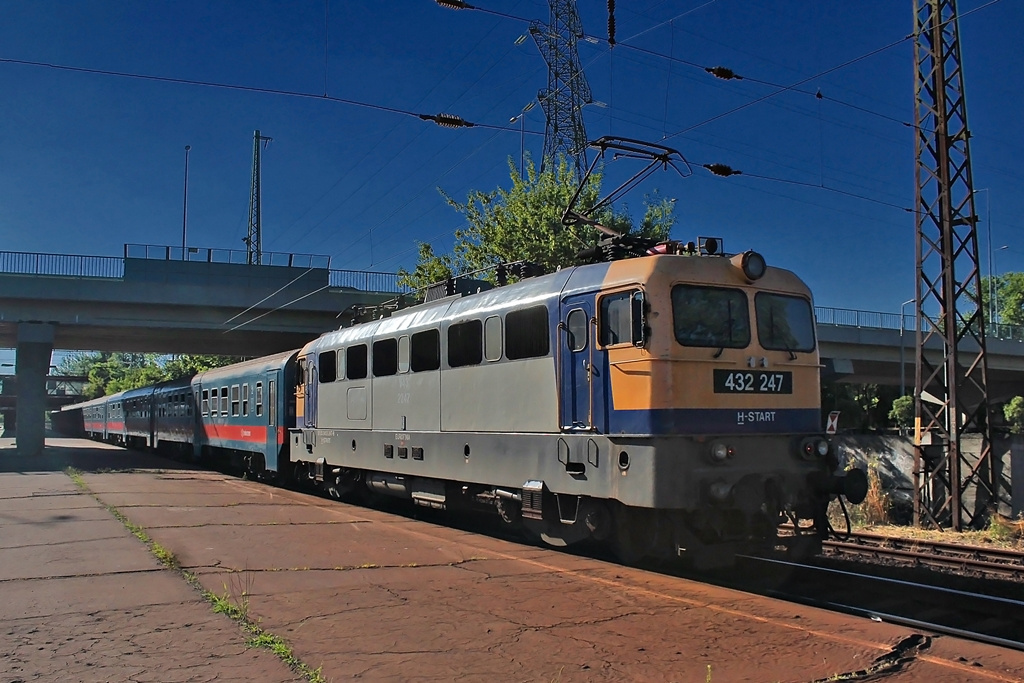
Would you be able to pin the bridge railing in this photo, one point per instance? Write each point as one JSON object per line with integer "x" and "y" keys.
{"x": 846, "y": 317}
{"x": 24, "y": 263}
{"x": 367, "y": 281}
{"x": 204, "y": 255}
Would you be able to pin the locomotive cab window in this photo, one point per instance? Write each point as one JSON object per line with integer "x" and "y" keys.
{"x": 526, "y": 333}
{"x": 784, "y": 323}
{"x": 465, "y": 343}
{"x": 356, "y": 362}
{"x": 713, "y": 317}
{"x": 425, "y": 351}
{"x": 385, "y": 357}
{"x": 576, "y": 329}
{"x": 328, "y": 364}
{"x": 621, "y": 319}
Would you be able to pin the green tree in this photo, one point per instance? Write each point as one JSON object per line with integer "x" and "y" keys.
{"x": 1009, "y": 291}
{"x": 902, "y": 411}
{"x": 187, "y": 365}
{"x": 1013, "y": 411}
{"x": 864, "y": 407}
{"x": 524, "y": 222}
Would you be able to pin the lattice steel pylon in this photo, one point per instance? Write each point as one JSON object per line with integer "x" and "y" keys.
{"x": 254, "y": 240}
{"x": 951, "y": 397}
{"x": 567, "y": 91}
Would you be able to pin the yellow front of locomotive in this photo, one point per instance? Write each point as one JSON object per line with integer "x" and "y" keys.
{"x": 724, "y": 389}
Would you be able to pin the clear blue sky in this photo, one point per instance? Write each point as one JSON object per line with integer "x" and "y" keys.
{"x": 89, "y": 162}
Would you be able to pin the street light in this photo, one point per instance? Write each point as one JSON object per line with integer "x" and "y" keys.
{"x": 903, "y": 373}
{"x": 521, "y": 118}
{"x": 184, "y": 209}
{"x": 994, "y": 293}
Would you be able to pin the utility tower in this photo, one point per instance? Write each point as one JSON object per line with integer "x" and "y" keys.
{"x": 254, "y": 240}
{"x": 951, "y": 395}
{"x": 567, "y": 89}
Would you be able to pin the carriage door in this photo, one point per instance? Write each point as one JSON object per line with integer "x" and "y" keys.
{"x": 272, "y": 418}
{"x": 580, "y": 382}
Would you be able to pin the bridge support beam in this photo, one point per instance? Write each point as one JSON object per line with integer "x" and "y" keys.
{"x": 35, "y": 345}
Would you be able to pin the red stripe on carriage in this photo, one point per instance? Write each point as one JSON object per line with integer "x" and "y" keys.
{"x": 247, "y": 433}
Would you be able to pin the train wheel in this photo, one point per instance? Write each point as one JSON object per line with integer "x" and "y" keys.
{"x": 635, "y": 535}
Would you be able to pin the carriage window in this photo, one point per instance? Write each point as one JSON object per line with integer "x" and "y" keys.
{"x": 206, "y": 402}
{"x": 526, "y": 333}
{"x": 784, "y": 323}
{"x": 355, "y": 362}
{"x": 235, "y": 402}
{"x": 223, "y": 400}
{"x": 710, "y": 316}
{"x": 403, "y": 353}
{"x": 617, "y": 324}
{"x": 385, "y": 357}
{"x": 492, "y": 338}
{"x": 272, "y": 403}
{"x": 245, "y": 399}
{"x": 464, "y": 343}
{"x": 426, "y": 351}
{"x": 328, "y": 366}
{"x": 259, "y": 398}
{"x": 576, "y": 326}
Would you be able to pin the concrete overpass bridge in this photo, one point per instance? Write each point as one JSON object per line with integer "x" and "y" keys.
{"x": 166, "y": 300}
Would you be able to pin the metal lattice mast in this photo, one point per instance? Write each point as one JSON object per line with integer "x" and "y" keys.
{"x": 567, "y": 89}
{"x": 951, "y": 396}
{"x": 254, "y": 240}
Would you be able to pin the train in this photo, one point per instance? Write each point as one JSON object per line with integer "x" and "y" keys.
{"x": 666, "y": 406}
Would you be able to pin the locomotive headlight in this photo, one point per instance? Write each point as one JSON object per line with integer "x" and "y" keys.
{"x": 720, "y": 452}
{"x": 814, "y": 449}
{"x": 752, "y": 264}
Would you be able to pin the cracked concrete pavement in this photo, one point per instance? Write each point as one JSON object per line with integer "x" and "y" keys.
{"x": 374, "y": 596}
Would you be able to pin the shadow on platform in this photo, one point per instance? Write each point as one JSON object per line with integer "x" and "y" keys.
{"x": 87, "y": 456}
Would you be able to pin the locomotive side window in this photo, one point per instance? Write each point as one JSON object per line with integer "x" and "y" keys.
{"x": 385, "y": 357}
{"x": 784, "y": 323}
{"x": 576, "y": 327}
{"x": 259, "y": 398}
{"x": 206, "y": 402}
{"x": 403, "y": 353}
{"x": 492, "y": 338}
{"x": 425, "y": 353}
{"x": 710, "y": 316}
{"x": 465, "y": 343}
{"x": 526, "y": 333}
{"x": 235, "y": 402}
{"x": 328, "y": 361}
{"x": 355, "y": 362}
{"x": 616, "y": 320}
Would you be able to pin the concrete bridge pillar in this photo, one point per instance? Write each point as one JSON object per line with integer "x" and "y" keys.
{"x": 32, "y": 365}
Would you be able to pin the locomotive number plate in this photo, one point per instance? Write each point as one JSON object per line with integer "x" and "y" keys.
{"x": 753, "y": 382}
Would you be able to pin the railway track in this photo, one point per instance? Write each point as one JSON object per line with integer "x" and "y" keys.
{"x": 965, "y": 560}
{"x": 964, "y": 614}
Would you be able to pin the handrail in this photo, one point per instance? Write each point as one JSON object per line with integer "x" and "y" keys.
{"x": 846, "y": 317}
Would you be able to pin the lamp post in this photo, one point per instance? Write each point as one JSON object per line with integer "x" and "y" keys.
{"x": 184, "y": 209}
{"x": 903, "y": 373}
{"x": 521, "y": 118}
{"x": 994, "y": 285}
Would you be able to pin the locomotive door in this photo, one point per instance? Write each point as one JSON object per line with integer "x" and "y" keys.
{"x": 309, "y": 411}
{"x": 582, "y": 368}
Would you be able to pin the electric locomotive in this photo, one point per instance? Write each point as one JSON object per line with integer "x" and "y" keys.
{"x": 668, "y": 405}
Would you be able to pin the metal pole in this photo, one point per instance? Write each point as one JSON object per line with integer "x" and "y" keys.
{"x": 184, "y": 209}
{"x": 903, "y": 374}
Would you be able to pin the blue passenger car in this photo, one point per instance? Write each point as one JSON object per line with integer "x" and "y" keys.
{"x": 174, "y": 416}
{"x": 244, "y": 412}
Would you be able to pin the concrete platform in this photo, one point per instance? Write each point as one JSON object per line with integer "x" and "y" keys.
{"x": 372, "y": 596}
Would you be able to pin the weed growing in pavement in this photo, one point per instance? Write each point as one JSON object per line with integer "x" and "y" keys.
{"x": 236, "y": 608}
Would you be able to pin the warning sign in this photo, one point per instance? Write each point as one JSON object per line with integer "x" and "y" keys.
{"x": 833, "y": 422}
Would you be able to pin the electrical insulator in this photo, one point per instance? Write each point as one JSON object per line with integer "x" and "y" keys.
{"x": 722, "y": 170}
{"x": 725, "y": 73}
{"x": 447, "y": 120}
{"x": 611, "y": 22}
{"x": 454, "y": 4}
